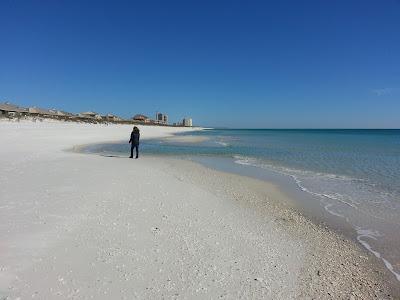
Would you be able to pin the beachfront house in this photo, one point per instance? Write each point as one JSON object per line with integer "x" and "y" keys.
{"x": 90, "y": 115}
{"x": 141, "y": 118}
{"x": 111, "y": 118}
{"x": 41, "y": 112}
{"x": 10, "y": 110}
{"x": 64, "y": 114}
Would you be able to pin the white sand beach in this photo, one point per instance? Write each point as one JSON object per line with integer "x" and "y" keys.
{"x": 80, "y": 226}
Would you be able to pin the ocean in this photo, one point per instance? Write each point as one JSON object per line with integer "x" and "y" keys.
{"x": 351, "y": 175}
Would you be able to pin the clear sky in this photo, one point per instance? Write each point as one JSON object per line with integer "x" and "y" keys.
{"x": 262, "y": 64}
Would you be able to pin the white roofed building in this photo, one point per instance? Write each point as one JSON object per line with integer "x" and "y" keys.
{"x": 187, "y": 122}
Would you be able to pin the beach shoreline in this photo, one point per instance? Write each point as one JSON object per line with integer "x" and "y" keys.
{"x": 87, "y": 225}
{"x": 273, "y": 202}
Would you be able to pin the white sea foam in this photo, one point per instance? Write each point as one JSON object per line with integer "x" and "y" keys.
{"x": 371, "y": 234}
{"x": 341, "y": 205}
{"x": 223, "y": 143}
{"x": 327, "y": 208}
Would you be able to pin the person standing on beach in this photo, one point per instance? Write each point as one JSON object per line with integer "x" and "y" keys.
{"x": 134, "y": 141}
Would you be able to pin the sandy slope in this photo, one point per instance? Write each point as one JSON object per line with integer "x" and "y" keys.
{"x": 77, "y": 226}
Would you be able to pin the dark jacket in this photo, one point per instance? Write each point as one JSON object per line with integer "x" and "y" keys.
{"x": 135, "y": 136}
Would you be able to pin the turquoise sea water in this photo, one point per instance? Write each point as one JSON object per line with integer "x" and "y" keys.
{"x": 354, "y": 175}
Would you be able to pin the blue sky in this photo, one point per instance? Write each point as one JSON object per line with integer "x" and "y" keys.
{"x": 264, "y": 64}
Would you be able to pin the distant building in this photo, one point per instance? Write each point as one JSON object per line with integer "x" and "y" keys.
{"x": 53, "y": 113}
{"x": 187, "y": 122}
{"x": 161, "y": 118}
{"x": 90, "y": 115}
{"x": 64, "y": 114}
{"x": 111, "y": 118}
{"x": 36, "y": 111}
{"x": 14, "y": 110}
{"x": 8, "y": 109}
{"x": 141, "y": 118}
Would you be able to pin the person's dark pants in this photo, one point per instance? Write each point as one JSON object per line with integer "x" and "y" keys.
{"x": 137, "y": 150}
